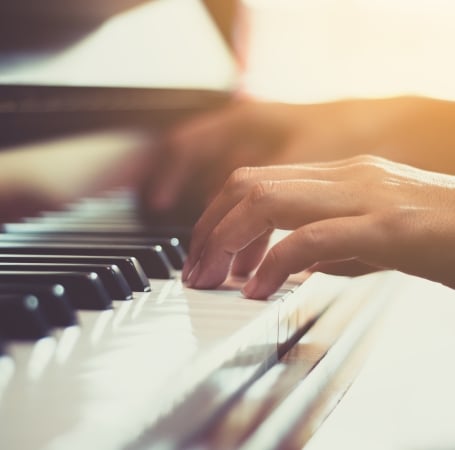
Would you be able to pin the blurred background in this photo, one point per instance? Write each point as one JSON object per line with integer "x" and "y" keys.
{"x": 318, "y": 50}
{"x": 136, "y": 67}
{"x": 88, "y": 86}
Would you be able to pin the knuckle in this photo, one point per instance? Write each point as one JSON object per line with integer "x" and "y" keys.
{"x": 261, "y": 191}
{"x": 239, "y": 179}
{"x": 365, "y": 158}
{"x": 372, "y": 168}
{"x": 395, "y": 220}
{"x": 274, "y": 255}
{"x": 219, "y": 242}
{"x": 240, "y": 175}
{"x": 215, "y": 236}
{"x": 368, "y": 162}
{"x": 364, "y": 168}
{"x": 312, "y": 236}
{"x": 278, "y": 262}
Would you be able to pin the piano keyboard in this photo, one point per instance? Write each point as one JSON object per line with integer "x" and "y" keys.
{"x": 102, "y": 347}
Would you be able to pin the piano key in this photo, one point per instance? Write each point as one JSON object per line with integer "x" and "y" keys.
{"x": 222, "y": 340}
{"x": 152, "y": 259}
{"x": 171, "y": 246}
{"x": 129, "y": 266}
{"x": 84, "y": 289}
{"x": 90, "y": 378}
{"x": 54, "y": 300}
{"x": 97, "y": 227}
{"x": 266, "y": 393}
{"x": 110, "y": 274}
{"x": 21, "y": 317}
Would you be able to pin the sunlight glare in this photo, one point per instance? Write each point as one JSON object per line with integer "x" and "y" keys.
{"x": 318, "y": 50}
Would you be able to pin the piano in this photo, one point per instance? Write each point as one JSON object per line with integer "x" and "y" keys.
{"x": 158, "y": 365}
{"x": 101, "y": 346}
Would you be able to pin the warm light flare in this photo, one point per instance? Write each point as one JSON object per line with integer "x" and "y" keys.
{"x": 324, "y": 49}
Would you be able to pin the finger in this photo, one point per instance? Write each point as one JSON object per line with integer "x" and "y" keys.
{"x": 230, "y": 195}
{"x": 240, "y": 182}
{"x": 270, "y": 205}
{"x": 217, "y": 210}
{"x": 247, "y": 260}
{"x": 339, "y": 239}
{"x": 352, "y": 162}
{"x": 349, "y": 268}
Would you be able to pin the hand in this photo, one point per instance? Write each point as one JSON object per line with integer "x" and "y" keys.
{"x": 200, "y": 154}
{"x": 197, "y": 156}
{"x": 364, "y": 209}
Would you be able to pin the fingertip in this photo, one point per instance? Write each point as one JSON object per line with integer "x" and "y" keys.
{"x": 210, "y": 272}
{"x": 268, "y": 278}
{"x": 188, "y": 266}
{"x": 254, "y": 290}
{"x": 192, "y": 275}
{"x": 185, "y": 272}
{"x": 249, "y": 288}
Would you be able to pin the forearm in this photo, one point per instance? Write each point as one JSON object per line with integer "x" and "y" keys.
{"x": 412, "y": 130}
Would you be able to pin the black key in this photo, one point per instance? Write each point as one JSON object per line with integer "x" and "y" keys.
{"x": 103, "y": 228}
{"x": 129, "y": 266}
{"x": 21, "y": 317}
{"x": 152, "y": 258}
{"x": 110, "y": 275}
{"x": 172, "y": 247}
{"x": 53, "y": 298}
{"x": 85, "y": 289}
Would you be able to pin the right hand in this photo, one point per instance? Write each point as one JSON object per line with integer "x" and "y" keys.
{"x": 365, "y": 210}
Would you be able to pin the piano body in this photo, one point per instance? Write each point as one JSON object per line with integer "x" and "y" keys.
{"x": 107, "y": 349}
{"x": 154, "y": 370}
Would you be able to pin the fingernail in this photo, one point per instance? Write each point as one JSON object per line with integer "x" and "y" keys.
{"x": 186, "y": 270}
{"x": 194, "y": 275}
{"x": 188, "y": 267}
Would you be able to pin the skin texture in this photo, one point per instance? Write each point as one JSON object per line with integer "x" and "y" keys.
{"x": 364, "y": 210}
{"x": 198, "y": 155}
